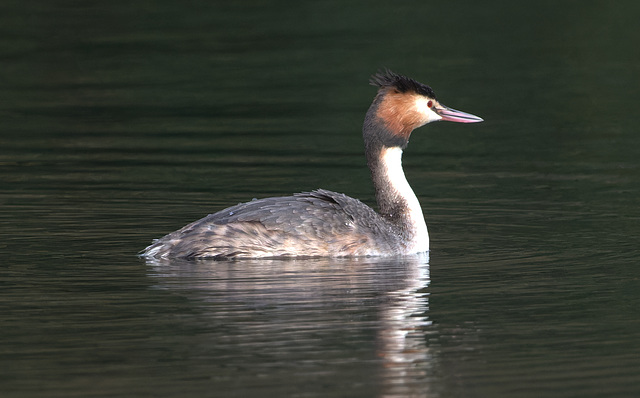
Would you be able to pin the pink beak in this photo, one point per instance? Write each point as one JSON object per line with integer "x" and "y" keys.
{"x": 453, "y": 115}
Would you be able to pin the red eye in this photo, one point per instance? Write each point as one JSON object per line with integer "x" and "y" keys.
{"x": 430, "y": 103}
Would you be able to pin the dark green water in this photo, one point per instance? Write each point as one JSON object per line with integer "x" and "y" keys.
{"x": 121, "y": 122}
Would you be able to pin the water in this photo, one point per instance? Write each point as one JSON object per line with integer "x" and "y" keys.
{"x": 120, "y": 123}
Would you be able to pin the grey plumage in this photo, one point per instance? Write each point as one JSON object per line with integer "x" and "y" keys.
{"x": 317, "y": 223}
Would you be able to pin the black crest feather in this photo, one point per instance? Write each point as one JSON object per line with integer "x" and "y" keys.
{"x": 390, "y": 79}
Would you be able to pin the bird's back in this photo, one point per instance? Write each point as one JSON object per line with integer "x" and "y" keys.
{"x": 317, "y": 223}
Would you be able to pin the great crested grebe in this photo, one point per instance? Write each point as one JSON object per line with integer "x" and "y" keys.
{"x": 325, "y": 223}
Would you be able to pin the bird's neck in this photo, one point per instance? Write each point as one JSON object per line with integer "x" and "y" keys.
{"x": 397, "y": 202}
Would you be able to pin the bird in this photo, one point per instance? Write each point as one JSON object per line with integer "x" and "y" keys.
{"x": 322, "y": 223}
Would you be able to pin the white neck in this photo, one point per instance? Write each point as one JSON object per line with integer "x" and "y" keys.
{"x": 391, "y": 159}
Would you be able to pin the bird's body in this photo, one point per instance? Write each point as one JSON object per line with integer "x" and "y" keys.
{"x": 325, "y": 223}
{"x": 318, "y": 223}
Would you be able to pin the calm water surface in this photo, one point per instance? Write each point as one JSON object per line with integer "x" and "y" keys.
{"x": 120, "y": 123}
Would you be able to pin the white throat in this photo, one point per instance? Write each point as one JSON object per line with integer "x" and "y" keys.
{"x": 392, "y": 164}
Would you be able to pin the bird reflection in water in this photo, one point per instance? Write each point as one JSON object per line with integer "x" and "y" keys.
{"x": 356, "y": 321}
{"x": 408, "y": 361}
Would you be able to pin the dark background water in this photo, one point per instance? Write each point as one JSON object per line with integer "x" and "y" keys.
{"x": 122, "y": 121}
